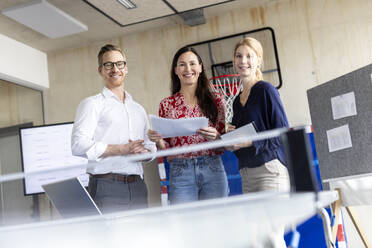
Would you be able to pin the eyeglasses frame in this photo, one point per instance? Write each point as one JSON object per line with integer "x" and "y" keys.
{"x": 114, "y": 64}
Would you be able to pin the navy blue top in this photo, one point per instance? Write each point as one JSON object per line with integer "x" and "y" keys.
{"x": 265, "y": 109}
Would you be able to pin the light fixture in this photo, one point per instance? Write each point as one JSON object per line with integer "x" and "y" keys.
{"x": 127, "y": 4}
{"x": 193, "y": 17}
{"x": 45, "y": 18}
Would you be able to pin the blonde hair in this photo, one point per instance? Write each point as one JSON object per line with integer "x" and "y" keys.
{"x": 257, "y": 47}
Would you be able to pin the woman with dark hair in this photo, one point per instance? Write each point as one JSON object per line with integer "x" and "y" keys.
{"x": 196, "y": 175}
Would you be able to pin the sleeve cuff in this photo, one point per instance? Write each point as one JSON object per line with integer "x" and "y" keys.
{"x": 150, "y": 146}
{"x": 96, "y": 151}
{"x": 166, "y": 142}
{"x": 257, "y": 144}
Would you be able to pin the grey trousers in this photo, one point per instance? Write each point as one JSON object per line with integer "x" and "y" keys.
{"x": 271, "y": 176}
{"x": 112, "y": 196}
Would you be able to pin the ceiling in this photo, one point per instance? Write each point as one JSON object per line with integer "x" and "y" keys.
{"x": 108, "y": 19}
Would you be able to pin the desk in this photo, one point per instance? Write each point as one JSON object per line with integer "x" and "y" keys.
{"x": 238, "y": 221}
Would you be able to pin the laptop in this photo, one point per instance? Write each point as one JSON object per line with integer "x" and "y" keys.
{"x": 70, "y": 198}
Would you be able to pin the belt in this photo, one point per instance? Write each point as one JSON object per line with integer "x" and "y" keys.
{"x": 118, "y": 177}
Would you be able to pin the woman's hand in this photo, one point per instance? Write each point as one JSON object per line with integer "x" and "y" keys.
{"x": 210, "y": 133}
{"x": 157, "y": 138}
{"x": 239, "y": 146}
{"x": 154, "y": 136}
{"x": 230, "y": 127}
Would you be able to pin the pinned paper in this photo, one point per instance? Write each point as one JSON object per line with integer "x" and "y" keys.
{"x": 343, "y": 105}
{"x": 339, "y": 138}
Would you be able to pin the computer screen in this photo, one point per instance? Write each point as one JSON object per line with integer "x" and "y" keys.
{"x": 48, "y": 147}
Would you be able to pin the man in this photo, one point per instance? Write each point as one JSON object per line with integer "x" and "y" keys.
{"x": 111, "y": 123}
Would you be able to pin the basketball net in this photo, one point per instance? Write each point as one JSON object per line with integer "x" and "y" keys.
{"x": 229, "y": 86}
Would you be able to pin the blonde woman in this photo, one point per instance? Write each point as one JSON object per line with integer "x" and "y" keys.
{"x": 262, "y": 164}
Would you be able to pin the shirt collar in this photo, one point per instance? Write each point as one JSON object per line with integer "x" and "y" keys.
{"x": 108, "y": 93}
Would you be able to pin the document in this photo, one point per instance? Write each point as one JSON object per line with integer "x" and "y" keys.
{"x": 246, "y": 130}
{"x": 343, "y": 105}
{"x": 177, "y": 127}
{"x": 339, "y": 138}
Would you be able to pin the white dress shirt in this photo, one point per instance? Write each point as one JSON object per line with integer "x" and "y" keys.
{"x": 102, "y": 120}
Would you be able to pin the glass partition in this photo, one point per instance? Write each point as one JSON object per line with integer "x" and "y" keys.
{"x": 19, "y": 107}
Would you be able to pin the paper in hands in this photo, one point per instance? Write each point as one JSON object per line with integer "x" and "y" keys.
{"x": 244, "y": 131}
{"x": 177, "y": 127}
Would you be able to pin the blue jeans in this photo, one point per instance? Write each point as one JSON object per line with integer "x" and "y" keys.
{"x": 195, "y": 179}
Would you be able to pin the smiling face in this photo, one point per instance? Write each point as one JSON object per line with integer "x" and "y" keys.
{"x": 246, "y": 62}
{"x": 113, "y": 77}
{"x": 188, "y": 69}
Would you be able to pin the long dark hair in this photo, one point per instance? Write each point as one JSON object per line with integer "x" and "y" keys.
{"x": 203, "y": 93}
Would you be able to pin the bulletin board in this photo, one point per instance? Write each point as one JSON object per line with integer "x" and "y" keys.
{"x": 341, "y": 115}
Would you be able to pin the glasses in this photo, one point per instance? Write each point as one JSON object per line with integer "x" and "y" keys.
{"x": 119, "y": 64}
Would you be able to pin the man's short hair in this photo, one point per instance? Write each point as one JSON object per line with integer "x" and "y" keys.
{"x": 106, "y": 48}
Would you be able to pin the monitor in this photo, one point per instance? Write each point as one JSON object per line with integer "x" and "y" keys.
{"x": 48, "y": 147}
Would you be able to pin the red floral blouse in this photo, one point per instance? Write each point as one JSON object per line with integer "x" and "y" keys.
{"x": 176, "y": 107}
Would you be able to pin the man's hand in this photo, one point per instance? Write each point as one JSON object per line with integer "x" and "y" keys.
{"x": 210, "y": 133}
{"x": 133, "y": 147}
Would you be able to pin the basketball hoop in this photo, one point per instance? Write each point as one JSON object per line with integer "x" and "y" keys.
{"x": 229, "y": 86}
